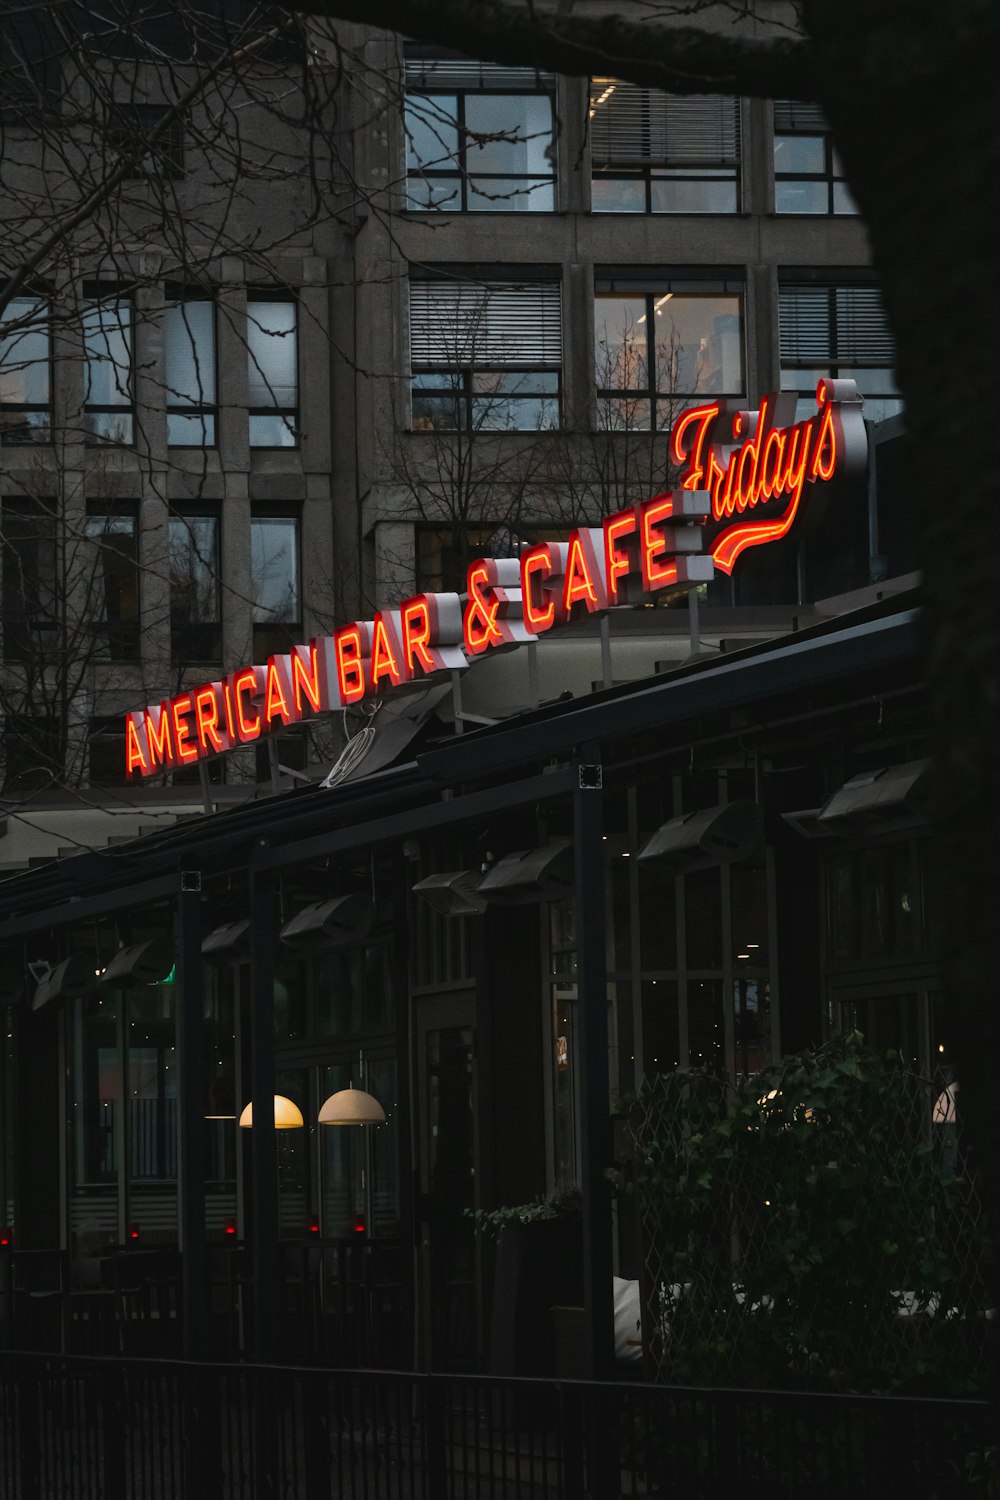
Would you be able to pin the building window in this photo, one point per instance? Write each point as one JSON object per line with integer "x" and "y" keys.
{"x": 808, "y": 177}
{"x": 272, "y": 372}
{"x": 31, "y": 589}
{"x": 25, "y": 414}
{"x": 107, "y": 752}
{"x": 444, "y": 553}
{"x": 663, "y": 153}
{"x": 837, "y": 329}
{"x": 195, "y": 624}
{"x": 129, "y": 132}
{"x": 661, "y": 344}
{"x": 486, "y": 356}
{"x": 32, "y": 759}
{"x": 114, "y": 585}
{"x": 478, "y": 137}
{"x": 274, "y": 574}
{"x": 189, "y": 353}
{"x": 107, "y": 339}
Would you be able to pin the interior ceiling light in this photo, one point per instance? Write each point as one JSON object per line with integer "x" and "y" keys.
{"x": 287, "y": 1116}
{"x": 352, "y": 1106}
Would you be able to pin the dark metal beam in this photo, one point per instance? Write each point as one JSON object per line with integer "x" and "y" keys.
{"x": 595, "y": 1102}
{"x": 191, "y": 1144}
{"x": 83, "y": 908}
{"x": 263, "y": 1147}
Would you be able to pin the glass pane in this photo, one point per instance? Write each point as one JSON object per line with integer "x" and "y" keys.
{"x": 271, "y": 432}
{"x": 507, "y": 414}
{"x": 271, "y": 354}
{"x": 843, "y": 202}
{"x": 748, "y": 888}
{"x": 190, "y": 432}
{"x": 433, "y": 192}
{"x": 618, "y": 195}
{"x": 660, "y": 1033}
{"x": 24, "y": 353}
{"x": 515, "y": 382}
{"x": 801, "y": 198}
{"x": 703, "y": 910}
{"x": 620, "y": 343}
{"x": 623, "y": 414}
{"x": 751, "y": 1025}
{"x": 96, "y": 1121}
{"x": 152, "y": 1086}
{"x": 194, "y": 571}
{"x": 878, "y": 386}
{"x": 657, "y": 923}
{"x": 292, "y": 1148}
{"x": 681, "y": 194}
{"x": 385, "y": 1150}
{"x": 274, "y": 568}
{"x": 699, "y": 347}
{"x": 107, "y": 337}
{"x": 434, "y": 413}
{"x": 509, "y": 133}
{"x": 564, "y": 1086}
{"x": 189, "y": 353}
{"x": 800, "y": 153}
{"x": 431, "y": 131}
{"x": 342, "y": 1158}
{"x": 110, "y": 427}
{"x": 706, "y": 1032}
{"x": 114, "y": 583}
{"x": 510, "y": 195}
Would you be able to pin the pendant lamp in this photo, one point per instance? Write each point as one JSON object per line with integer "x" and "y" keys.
{"x": 287, "y": 1116}
{"x": 352, "y": 1106}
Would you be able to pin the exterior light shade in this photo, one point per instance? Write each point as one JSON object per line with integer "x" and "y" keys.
{"x": 352, "y": 1106}
{"x": 287, "y": 1116}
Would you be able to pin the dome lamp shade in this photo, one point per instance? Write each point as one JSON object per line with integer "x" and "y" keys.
{"x": 287, "y": 1116}
{"x": 352, "y": 1106}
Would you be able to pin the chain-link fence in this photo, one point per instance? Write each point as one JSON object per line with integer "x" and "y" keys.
{"x": 816, "y": 1226}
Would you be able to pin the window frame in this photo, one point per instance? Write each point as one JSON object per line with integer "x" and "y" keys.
{"x": 288, "y": 414}
{"x": 491, "y": 83}
{"x": 649, "y": 171}
{"x": 206, "y": 635}
{"x": 97, "y": 297}
{"x": 813, "y": 126}
{"x": 21, "y": 436}
{"x": 836, "y": 366}
{"x": 272, "y": 636}
{"x": 206, "y": 411}
{"x": 121, "y": 636}
{"x": 655, "y": 289}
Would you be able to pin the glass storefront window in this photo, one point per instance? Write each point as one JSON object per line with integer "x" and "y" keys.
{"x": 97, "y": 1124}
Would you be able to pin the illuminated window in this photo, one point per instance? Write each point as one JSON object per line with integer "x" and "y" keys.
{"x": 661, "y": 344}
{"x": 663, "y": 153}
{"x": 25, "y": 412}
{"x": 808, "y": 177}
{"x": 478, "y": 137}
{"x": 107, "y": 337}
{"x": 195, "y": 623}
{"x": 189, "y": 356}
{"x": 272, "y": 372}
{"x": 837, "y": 328}
{"x": 486, "y": 356}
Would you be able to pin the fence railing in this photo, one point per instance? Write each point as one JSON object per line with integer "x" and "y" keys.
{"x": 100, "y": 1429}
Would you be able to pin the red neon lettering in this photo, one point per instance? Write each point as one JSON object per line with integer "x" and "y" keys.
{"x": 350, "y": 670}
{"x": 692, "y": 452}
{"x": 584, "y": 583}
{"x": 617, "y": 563}
{"x": 134, "y": 756}
{"x": 480, "y": 621}
{"x": 415, "y": 627}
{"x": 826, "y": 439}
{"x": 275, "y": 702}
{"x": 206, "y": 720}
{"x": 306, "y": 680}
{"x": 536, "y": 565}
{"x": 248, "y": 725}
{"x": 161, "y": 750}
{"x": 185, "y": 750}
{"x": 383, "y": 662}
{"x": 656, "y": 573}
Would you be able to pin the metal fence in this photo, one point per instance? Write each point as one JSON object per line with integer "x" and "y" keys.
{"x": 100, "y": 1429}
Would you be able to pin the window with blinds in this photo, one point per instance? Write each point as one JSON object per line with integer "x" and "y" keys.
{"x": 485, "y": 355}
{"x": 479, "y": 136}
{"x": 663, "y": 153}
{"x": 808, "y": 177}
{"x": 831, "y": 328}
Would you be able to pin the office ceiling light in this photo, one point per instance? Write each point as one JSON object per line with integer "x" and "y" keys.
{"x": 143, "y": 963}
{"x": 228, "y": 944}
{"x": 331, "y": 924}
{"x": 713, "y": 836}
{"x": 531, "y": 875}
{"x": 68, "y": 980}
{"x": 352, "y": 1106}
{"x": 455, "y": 893}
{"x": 287, "y": 1116}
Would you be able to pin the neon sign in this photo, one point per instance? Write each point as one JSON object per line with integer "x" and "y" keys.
{"x": 742, "y": 478}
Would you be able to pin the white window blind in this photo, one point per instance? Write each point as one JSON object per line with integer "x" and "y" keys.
{"x": 798, "y": 115}
{"x": 450, "y": 73}
{"x": 629, "y": 124}
{"x": 514, "y": 326}
{"x": 834, "y": 325}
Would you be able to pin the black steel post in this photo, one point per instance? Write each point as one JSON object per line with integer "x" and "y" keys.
{"x": 264, "y": 1159}
{"x": 191, "y": 1133}
{"x": 595, "y": 1103}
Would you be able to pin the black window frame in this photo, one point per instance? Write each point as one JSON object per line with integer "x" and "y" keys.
{"x": 26, "y": 434}
{"x": 120, "y": 634}
{"x": 651, "y": 170}
{"x": 794, "y": 119}
{"x": 841, "y": 361}
{"x": 98, "y": 295}
{"x": 492, "y": 76}
{"x": 289, "y": 414}
{"x": 197, "y": 642}
{"x": 273, "y": 637}
{"x": 654, "y": 287}
{"x": 206, "y": 411}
